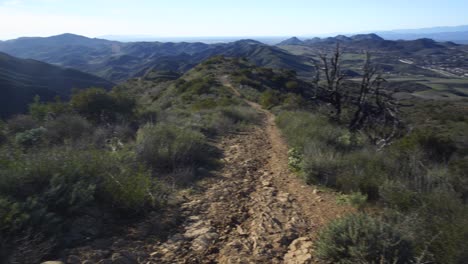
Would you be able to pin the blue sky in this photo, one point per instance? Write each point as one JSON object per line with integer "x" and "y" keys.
{"x": 186, "y": 18}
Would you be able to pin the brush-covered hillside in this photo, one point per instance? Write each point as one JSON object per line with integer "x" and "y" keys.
{"x": 21, "y": 80}
{"x": 232, "y": 163}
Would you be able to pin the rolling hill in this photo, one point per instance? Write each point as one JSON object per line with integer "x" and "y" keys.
{"x": 118, "y": 61}
{"x": 372, "y": 42}
{"x": 22, "y": 79}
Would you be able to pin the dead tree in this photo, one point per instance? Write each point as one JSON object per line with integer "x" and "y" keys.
{"x": 331, "y": 67}
{"x": 376, "y": 109}
{"x": 369, "y": 91}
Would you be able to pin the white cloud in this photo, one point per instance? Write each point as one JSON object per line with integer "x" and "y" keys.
{"x": 12, "y": 3}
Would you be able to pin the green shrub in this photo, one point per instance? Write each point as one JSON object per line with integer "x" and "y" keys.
{"x": 356, "y": 199}
{"x": 45, "y": 191}
{"x": 443, "y": 222}
{"x": 207, "y": 103}
{"x": 269, "y": 99}
{"x": 40, "y": 111}
{"x": 130, "y": 190}
{"x": 197, "y": 86}
{"x": 396, "y": 195}
{"x": 362, "y": 171}
{"x": 67, "y": 127}
{"x": 241, "y": 114}
{"x": 3, "y": 132}
{"x": 320, "y": 164}
{"x": 293, "y": 102}
{"x": 292, "y": 86}
{"x": 301, "y": 127}
{"x": 294, "y": 160}
{"x": 167, "y": 147}
{"x": 21, "y": 123}
{"x": 229, "y": 119}
{"x": 438, "y": 147}
{"x": 31, "y": 137}
{"x": 458, "y": 176}
{"x": 360, "y": 238}
{"x": 100, "y": 106}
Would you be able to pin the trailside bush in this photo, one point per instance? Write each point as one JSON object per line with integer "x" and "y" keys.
{"x": 443, "y": 226}
{"x": 436, "y": 146}
{"x": 300, "y": 128}
{"x": 166, "y": 147}
{"x": 229, "y": 119}
{"x": 362, "y": 171}
{"x": 294, "y": 160}
{"x": 320, "y": 164}
{"x": 31, "y": 137}
{"x": 360, "y": 238}
{"x": 45, "y": 191}
{"x": 21, "y": 123}
{"x": 269, "y": 99}
{"x": 130, "y": 189}
{"x": 66, "y": 127}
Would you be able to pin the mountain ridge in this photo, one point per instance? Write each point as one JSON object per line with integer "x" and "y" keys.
{"x": 117, "y": 61}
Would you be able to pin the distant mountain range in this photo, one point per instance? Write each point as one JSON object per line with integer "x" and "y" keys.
{"x": 23, "y": 76}
{"x": 372, "y": 42}
{"x": 22, "y": 79}
{"x": 458, "y": 34}
{"x": 119, "y": 61}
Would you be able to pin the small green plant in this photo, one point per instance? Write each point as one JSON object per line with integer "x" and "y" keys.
{"x": 294, "y": 160}
{"x": 356, "y": 199}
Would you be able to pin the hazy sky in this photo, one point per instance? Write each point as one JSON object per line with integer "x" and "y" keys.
{"x": 222, "y": 17}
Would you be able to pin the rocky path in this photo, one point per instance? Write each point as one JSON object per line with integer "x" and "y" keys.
{"x": 254, "y": 211}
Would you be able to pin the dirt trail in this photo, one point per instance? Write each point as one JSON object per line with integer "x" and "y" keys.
{"x": 255, "y": 211}
{"x": 258, "y": 213}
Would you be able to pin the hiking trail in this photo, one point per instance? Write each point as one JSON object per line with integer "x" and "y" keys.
{"x": 254, "y": 211}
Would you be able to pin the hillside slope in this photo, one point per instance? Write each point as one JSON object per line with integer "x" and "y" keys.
{"x": 21, "y": 80}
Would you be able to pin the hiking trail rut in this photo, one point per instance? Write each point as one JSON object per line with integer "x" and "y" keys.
{"x": 253, "y": 211}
